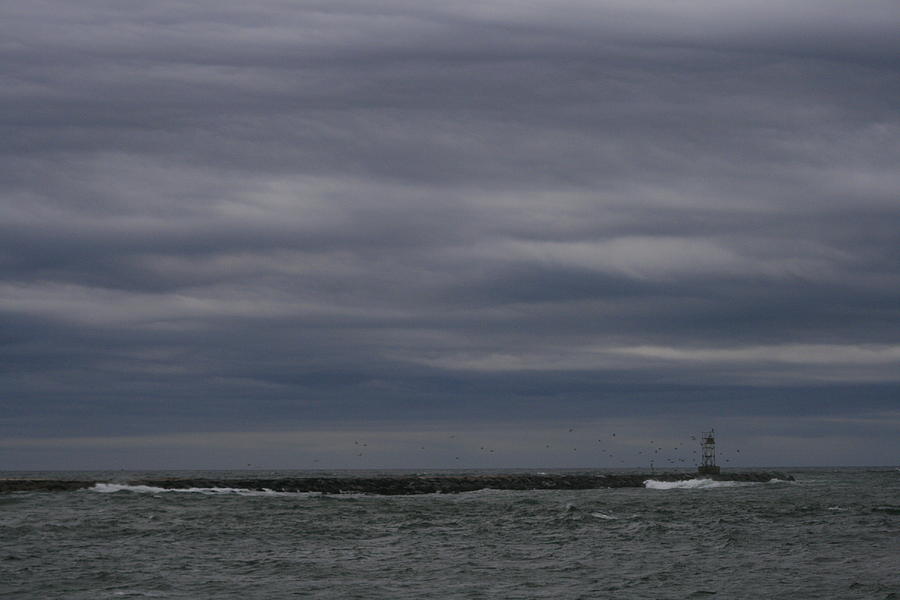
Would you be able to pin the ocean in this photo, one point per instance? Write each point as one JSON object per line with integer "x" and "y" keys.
{"x": 833, "y": 533}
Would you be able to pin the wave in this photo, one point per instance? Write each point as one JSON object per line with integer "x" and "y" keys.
{"x": 604, "y": 516}
{"x": 110, "y": 488}
{"x": 693, "y": 484}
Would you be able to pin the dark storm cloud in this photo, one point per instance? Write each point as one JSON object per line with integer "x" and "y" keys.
{"x": 218, "y": 215}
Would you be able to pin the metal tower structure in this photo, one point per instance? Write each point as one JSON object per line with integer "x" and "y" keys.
{"x": 708, "y": 464}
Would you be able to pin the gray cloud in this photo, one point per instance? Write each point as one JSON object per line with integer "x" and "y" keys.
{"x": 217, "y": 217}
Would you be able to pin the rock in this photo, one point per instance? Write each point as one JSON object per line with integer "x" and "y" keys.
{"x": 43, "y": 485}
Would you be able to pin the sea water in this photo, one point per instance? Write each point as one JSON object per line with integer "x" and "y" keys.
{"x": 834, "y": 533}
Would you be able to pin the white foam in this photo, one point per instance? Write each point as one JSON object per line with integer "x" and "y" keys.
{"x": 693, "y": 484}
{"x": 109, "y": 488}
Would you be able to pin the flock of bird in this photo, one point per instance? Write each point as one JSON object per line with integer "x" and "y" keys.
{"x": 656, "y": 454}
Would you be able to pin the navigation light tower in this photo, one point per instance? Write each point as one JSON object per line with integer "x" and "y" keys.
{"x": 708, "y": 465}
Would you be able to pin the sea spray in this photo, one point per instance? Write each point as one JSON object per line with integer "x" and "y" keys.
{"x": 694, "y": 484}
{"x": 111, "y": 488}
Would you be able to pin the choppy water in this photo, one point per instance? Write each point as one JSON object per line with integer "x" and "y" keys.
{"x": 835, "y": 533}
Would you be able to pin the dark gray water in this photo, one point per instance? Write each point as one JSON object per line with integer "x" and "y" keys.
{"x": 835, "y": 533}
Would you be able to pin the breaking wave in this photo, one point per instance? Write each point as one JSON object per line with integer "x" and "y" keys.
{"x": 693, "y": 484}
{"x": 109, "y": 488}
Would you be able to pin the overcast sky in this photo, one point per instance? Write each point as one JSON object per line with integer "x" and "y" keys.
{"x": 418, "y": 234}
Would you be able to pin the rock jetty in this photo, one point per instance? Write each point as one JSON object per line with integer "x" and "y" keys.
{"x": 43, "y": 485}
{"x": 401, "y": 485}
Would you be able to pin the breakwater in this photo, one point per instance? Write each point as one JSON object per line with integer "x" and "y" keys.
{"x": 400, "y": 485}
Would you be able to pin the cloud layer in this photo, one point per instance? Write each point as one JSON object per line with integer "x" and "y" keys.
{"x": 218, "y": 217}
